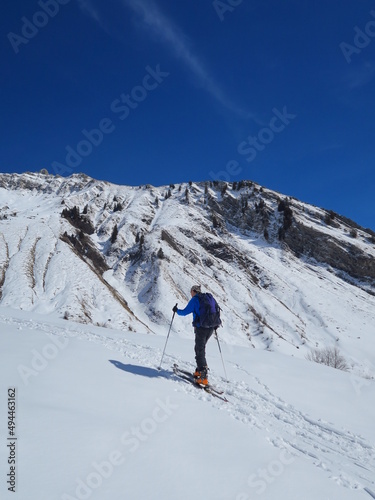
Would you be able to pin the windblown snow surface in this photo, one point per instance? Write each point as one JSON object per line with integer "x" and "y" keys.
{"x": 95, "y": 418}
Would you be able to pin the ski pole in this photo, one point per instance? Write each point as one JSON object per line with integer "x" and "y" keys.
{"x": 221, "y": 354}
{"x": 170, "y": 326}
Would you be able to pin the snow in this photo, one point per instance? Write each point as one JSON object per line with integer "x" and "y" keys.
{"x": 96, "y": 419}
{"x": 296, "y": 306}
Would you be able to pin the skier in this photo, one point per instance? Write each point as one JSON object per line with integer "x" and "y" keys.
{"x": 202, "y": 335}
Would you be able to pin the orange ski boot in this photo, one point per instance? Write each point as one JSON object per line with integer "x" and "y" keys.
{"x": 201, "y": 377}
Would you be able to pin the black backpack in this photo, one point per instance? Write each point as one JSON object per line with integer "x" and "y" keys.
{"x": 209, "y": 311}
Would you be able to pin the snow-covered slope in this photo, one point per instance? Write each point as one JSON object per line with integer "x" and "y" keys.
{"x": 94, "y": 418}
{"x": 288, "y": 276}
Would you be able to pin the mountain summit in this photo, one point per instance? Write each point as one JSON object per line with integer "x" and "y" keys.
{"x": 288, "y": 276}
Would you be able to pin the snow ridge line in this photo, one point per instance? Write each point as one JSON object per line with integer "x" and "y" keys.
{"x": 372, "y": 495}
{"x": 49, "y": 258}
{"x": 45, "y": 270}
{"x": 4, "y": 266}
{"x": 30, "y": 272}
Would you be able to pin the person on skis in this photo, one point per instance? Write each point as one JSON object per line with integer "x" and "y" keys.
{"x": 202, "y": 335}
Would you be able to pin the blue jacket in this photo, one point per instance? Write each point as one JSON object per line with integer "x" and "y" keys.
{"x": 192, "y": 307}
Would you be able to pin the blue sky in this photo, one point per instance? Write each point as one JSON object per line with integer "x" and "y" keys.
{"x": 162, "y": 91}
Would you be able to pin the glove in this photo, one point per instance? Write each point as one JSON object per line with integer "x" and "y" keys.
{"x": 175, "y": 309}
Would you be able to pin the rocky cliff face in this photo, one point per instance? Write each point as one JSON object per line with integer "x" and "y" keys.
{"x": 288, "y": 275}
{"x": 307, "y": 231}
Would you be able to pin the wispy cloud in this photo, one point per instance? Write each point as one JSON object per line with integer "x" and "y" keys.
{"x": 360, "y": 76}
{"x": 88, "y": 8}
{"x": 179, "y": 45}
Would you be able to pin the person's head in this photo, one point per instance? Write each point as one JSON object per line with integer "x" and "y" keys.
{"x": 195, "y": 289}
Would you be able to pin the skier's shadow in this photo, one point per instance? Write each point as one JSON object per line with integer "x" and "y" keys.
{"x": 145, "y": 371}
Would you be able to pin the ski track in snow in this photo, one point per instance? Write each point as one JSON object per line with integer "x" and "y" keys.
{"x": 305, "y": 436}
{"x": 344, "y": 456}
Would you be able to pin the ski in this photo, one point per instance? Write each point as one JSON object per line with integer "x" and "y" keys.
{"x": 207, "y": 389}
{"x": 191, "y": 377}
{"x": 185, "y": 375}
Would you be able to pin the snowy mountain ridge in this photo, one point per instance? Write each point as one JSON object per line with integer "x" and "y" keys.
{"x": 289, "y": 276}
{"x": 95, "y": 418}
